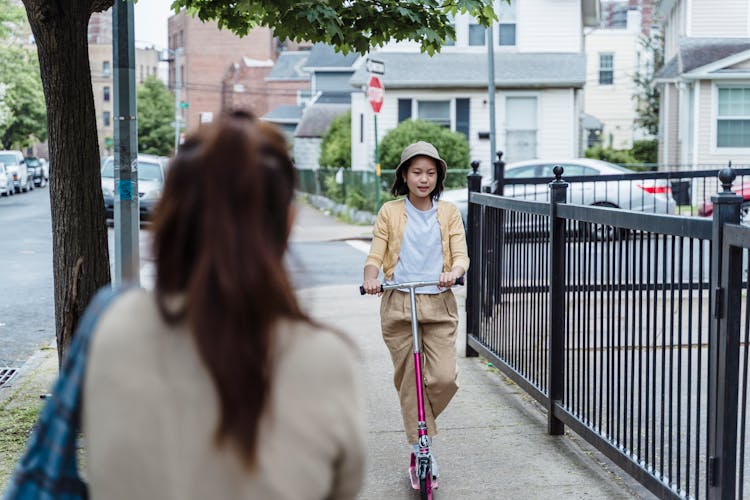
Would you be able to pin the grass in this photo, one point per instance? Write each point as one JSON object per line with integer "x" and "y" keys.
{"x": 15, "y": 424}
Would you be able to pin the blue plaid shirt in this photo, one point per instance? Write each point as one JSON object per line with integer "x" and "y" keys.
{"x": 48, "y": 469}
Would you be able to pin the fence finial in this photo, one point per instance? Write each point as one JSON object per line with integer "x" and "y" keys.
{"x": 558, "y": 171}
{"x": 499, "y": 156}
{"x": 475, "y": 165}
{"x": 727, "y": 177}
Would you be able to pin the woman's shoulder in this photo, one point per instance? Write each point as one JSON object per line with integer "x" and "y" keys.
{"x": 447, "y": 207}
{"x": 393, "y": 205}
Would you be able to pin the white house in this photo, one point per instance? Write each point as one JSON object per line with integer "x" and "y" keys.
{"x": 613, "y": 58}
{"x": 540, "y": 71}
{"x": 705, "y": 99}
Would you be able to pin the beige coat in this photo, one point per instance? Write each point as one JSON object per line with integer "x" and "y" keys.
{"x": 150, "y": 412}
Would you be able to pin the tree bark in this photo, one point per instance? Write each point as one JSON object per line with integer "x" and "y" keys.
{"x": 79, "y": 232}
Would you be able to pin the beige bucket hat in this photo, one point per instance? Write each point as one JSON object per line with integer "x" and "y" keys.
{"x": 420, "y": 148}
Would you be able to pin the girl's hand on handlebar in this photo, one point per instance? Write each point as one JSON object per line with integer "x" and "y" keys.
{"x": 448, "y": 279}
{"x": 372, "y": 287}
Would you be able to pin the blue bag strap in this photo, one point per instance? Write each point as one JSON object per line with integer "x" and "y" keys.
{"x": 49, "y": 467}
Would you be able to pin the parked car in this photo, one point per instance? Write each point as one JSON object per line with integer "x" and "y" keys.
{"x": 6, "y": 182}
{"x": 16, "y": 166}
{"x": 643, "y": 195}
{"x": 37, "y": 169}
{"x": 707, "y": 209}
{"x": 151, "y": 173}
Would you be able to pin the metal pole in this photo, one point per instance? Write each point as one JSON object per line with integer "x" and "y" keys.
{"x": 377, "y": 165}
{"x": 473, "y": 286}
{"x": 127, "y": 223}
{"x": 723, "y": 348}
{"x": 491, "y": 90}
{"x": 556, "y": 372}
{"x": 177, "y": 113}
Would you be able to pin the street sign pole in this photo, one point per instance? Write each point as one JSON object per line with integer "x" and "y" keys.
{"x": 375, "y": 94}
{"x": 177, "y": 107}
{"x": 127, "y": 223}
{"x": 377, "y": 166}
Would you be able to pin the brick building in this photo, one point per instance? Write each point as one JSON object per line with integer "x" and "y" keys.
{"x": 216, "y": 67}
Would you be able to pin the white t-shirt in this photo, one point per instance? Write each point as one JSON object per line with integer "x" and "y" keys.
{"x": 421, "y": 256}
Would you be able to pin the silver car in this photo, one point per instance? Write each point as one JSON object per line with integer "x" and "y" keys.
{"x": 151, "y": 173}
{"x": 648, "y": 195}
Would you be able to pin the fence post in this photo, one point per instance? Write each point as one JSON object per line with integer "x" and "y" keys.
{"x": 474, "y": 239}
{"x": 723, "y": 345}
{"x": 499, "y": 175}
{"x": 556, "y": 355}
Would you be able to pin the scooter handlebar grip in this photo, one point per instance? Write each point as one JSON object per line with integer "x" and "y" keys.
{"x": 460, "y": 281}
{"x": 362, "y": 289}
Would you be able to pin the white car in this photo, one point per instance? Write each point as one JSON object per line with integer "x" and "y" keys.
{"x": 15, "y": 164}
{"x": 6, "y": 182}
{"x": 151, "y": 173}
{"x": 647, "y": 195}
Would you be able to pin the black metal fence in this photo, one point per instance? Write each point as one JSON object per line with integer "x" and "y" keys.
{"x": 624, "y": 325}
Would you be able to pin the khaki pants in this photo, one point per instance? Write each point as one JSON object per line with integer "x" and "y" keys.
{"x": 437, "y": 315}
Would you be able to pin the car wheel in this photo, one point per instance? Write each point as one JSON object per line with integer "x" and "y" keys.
{"x": 599, "y": 232}
{"x": 745, "y": 212}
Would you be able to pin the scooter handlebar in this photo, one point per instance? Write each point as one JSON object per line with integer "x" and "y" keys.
{"x": 459, "y": 282}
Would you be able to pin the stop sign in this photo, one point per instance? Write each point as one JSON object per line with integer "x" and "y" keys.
{"x": 375, "y": 93}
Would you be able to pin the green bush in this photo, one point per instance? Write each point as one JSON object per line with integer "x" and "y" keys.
{"x": 646, "y": 151}
{"x": 336, "y": 148}
{"x": 609, "y": 154}
{"x": 333, "y": 189}
{"x": 356, "y": 200}
{"x": 453, "y": 147}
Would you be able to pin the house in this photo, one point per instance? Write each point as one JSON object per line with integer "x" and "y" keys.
{"x": 705, "y": 83}
{"x": 614, "y": 56}
{"x": 330, "y": 96}
{"x": 540, "y": 71}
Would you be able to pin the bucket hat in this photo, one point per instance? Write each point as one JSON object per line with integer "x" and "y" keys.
{"x": 420, "y": 148}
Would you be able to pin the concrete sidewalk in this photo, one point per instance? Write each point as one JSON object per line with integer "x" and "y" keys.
{"x": 492, "y": 442}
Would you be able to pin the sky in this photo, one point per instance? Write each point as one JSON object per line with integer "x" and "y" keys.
{"x": 151, "y": 21}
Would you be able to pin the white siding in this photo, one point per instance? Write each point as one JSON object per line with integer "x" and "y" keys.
{"x": 306, "y": 153}
{"x": 612, "y": 104}
{"x": 549, "y": 26}
{"x": 710, "y": 20}
{"x": 558, "y": 132}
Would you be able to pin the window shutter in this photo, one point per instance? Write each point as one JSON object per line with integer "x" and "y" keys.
{"x": 462, "y": 116}
{"x": 404, "y": 110}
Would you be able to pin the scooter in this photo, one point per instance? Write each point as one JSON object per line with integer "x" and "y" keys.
{"x": 420, "y": 465}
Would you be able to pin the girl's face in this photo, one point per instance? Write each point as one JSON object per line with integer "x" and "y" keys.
{"x": 421, "y": 177}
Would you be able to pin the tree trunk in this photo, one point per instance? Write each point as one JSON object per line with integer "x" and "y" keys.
{"x": 79, "y": 232}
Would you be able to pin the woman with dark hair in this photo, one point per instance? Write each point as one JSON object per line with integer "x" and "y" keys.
{"x": 217, "y": 384}
{"x": 419, "y": 238}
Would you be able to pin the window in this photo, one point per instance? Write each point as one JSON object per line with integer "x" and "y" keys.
{"x": 733, "y": 118}
{"x": 507, "y": 26}
{"x": 517, "y": 173}
{"x": 182, "y": 76}
{"x": 476, "y": 34}
{"x": 106, "y": 93}
{"x": 361, "y": 128}
{"x": 450, "y": 42}
{"x": 107, "y": 119}
{"x": 606, "y": 69}
{"x": 182, "y": 40}
{"x": 404, "y": 110}
{"x": 105, "y": 68}
{"x": 435, "y": 111}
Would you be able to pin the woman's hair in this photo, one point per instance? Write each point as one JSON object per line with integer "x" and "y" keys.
{"x": 399, "y": 186}
{"x": 220, "y": 234}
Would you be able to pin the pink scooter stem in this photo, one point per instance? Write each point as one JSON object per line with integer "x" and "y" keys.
{"x": 417, "y": 363}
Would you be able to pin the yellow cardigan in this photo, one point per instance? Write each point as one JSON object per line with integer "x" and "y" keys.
{"x": 388, "y": 233}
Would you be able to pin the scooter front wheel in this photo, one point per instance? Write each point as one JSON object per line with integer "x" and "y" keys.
{"x": 425, "y": 479}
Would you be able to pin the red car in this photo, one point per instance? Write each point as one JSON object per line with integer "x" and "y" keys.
{"x": 707, "y": 209}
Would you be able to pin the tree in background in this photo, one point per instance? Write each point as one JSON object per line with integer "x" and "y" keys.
{"x": 336, "y": 148}
{"x": 81, "y": 256}
{"x": 19, "y": 73}
{"x": 453, "y": 147}
{"x": 155, "y": 117}
{"x": 647, "y": 94}
{"x": 5, "y": 112}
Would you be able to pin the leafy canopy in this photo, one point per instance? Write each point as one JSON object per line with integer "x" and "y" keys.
{"x": 348, "y": 25}
{"x": 155, "y": 115}
{"x": 336, "y": 148}
{"x": 24, "y": 98}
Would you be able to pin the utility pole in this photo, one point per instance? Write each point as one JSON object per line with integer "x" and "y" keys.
{"x": 127, "y": 223}
{"x": 177, "y": 108}
{"x": 491, "y": 94}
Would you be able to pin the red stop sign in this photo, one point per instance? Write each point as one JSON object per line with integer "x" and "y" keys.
{"x": 375, "y": 93}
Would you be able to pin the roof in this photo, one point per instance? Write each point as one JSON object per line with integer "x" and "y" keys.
{"x": 317, "y": 118}
{"x": 693, "y": 53}
{"x": 590, "y": 122}
{"x": 289, "y": 66}
{"x": 325, "y": 56}
{"x": 285, "y": 113}
{"x": 469, "y": 70}
{"x": 334, "y": 97}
